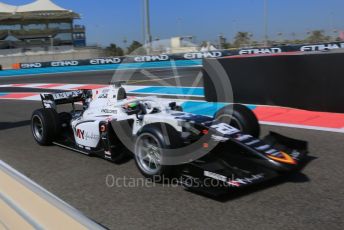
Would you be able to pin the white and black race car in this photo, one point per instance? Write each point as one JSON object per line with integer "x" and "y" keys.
{"x": 205, "y": 153}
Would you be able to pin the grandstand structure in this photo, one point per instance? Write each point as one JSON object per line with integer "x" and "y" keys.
{"x": 41, "y": 24}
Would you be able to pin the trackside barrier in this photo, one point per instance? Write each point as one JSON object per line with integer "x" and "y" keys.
{"x": 26, "y": 205}
{"x": 128, "y": 60}
{"x": 305, "y": 81}
{"x": 112, "y": 67}
{"x": 183, "y": 56}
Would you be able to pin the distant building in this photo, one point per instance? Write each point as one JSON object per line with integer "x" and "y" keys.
{"x": 182, "y": 45}
{"x": 39, "y": 24}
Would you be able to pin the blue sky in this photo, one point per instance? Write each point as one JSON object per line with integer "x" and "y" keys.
{"x": 113, "y": 20}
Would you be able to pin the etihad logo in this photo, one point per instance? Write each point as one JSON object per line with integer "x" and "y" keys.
{"x": 322, "y": 47}
{"x": 64, "y": 63}
{"x": 201, "y": 55}
{"x": 261, "y": 51}
{"x": 31, "y": 65}
{"x": 101, "y": 61}
{"x": 162, "y": 57}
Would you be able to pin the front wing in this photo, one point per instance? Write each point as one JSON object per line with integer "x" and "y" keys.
{"x": 231, "y": 166}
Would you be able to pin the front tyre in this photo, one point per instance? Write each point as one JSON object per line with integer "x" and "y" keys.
{"x": 150, "y": 145}
{"x": 148, "y": 155}
{"x": 45, "y": 126}
{"x": 240, "y": 117}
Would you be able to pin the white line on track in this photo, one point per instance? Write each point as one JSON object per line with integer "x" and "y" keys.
{"x": 339, "y": 130}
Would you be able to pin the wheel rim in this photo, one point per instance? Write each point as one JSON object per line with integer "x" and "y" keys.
{"x": 148, "y": 154}
{"x": 37, "y": 127}
{"x": 232, "y": 121}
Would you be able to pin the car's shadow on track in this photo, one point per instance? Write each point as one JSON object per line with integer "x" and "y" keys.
{"x": 296, "y": 177}
{"x": 12, "y": 125}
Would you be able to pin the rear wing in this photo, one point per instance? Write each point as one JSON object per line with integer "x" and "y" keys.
{"x": 69, "y": 97}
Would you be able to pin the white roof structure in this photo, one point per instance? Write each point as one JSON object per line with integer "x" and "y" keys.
{"x": 40, "y": 5}
{"x": 5, "y": 8}
{"x": 36, "y": 6}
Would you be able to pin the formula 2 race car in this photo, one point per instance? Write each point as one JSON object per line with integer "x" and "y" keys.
{"x": 205, "y": 153}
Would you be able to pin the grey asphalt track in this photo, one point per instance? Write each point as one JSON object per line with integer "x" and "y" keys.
{"x": 313, "y": 199}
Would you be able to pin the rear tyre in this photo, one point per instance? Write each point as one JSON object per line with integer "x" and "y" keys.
{"x": 149, "y": 150}
{"x": 45, "y": 126}
{"x": 240, "y": 117}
